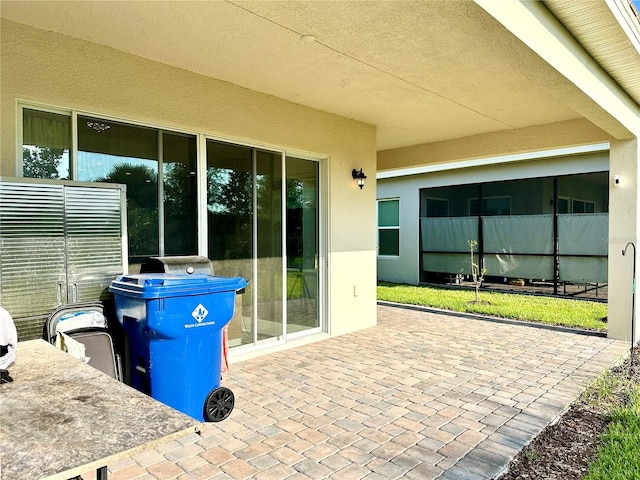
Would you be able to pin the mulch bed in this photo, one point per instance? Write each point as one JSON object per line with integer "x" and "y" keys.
{"x": 565, "y": 449}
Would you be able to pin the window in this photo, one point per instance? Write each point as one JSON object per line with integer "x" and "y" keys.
{"x": 437, "y": 207}
{"x": 180, "y": 193}
{"x": 569, "y": 205}
{"x": 259, "y": 217}
{"x": 491, "y": 206}
{"x": 389, "y": 227}
{"x": 46, "y": 144}
{"x": 119, "y": 153}
{"x": 563, "y": 205}
{"x": 583, "y": 206}
{"x": 158, "y": 167}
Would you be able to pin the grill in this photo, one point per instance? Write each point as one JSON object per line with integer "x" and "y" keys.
{"x": 188, "y": 264}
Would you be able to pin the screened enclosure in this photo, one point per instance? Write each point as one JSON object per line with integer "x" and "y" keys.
{"x": 553, "y": 229}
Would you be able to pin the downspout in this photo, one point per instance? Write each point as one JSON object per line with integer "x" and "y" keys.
{"x": 556, "y": 247}
{"x": 633, "y": 298}
{"x": 480, "y": 233}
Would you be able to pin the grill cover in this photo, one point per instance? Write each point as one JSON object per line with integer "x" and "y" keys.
{"x": 188, "y": 264}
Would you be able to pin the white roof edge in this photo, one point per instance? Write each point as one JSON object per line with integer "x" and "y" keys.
{"x": 479, "y": 162}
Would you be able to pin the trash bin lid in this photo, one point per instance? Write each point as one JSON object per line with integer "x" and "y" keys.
{"x": 162, "y": 285}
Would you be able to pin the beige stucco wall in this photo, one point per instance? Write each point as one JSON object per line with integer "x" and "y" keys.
{"x": 623, "y": 228}
{"x": 504, "y": 142}
{"x": 57, "y": 70}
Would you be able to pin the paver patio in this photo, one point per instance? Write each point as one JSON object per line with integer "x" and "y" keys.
{"x": 420, "y": 396}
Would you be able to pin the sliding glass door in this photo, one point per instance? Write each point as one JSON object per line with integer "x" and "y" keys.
{"x": 303, "y": 285}
{"x": 262, "y": 209}
{"x": 268, "y": 252}
{"x": 253, "y": 228}
{"x": 230, "y": 204}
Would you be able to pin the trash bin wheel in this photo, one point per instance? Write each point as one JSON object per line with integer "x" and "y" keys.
{"x": 218, "y": 404}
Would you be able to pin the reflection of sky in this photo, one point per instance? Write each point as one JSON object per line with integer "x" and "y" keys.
{"x": 94, "y": 166}
{"x": 63, "y": 168}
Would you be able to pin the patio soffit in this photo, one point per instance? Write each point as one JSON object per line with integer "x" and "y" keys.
{"x": 420, "y": 71}
{"x": 609, "y": 31}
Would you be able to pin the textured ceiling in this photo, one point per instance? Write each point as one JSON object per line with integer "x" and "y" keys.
{"x": 421, "y": 71}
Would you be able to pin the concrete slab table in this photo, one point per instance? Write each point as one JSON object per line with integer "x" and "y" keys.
{"x": 60, "y": 417}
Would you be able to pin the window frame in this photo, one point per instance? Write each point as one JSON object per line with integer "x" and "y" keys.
{"x": 201, "y": 138}
{"x": 585, "y": 203}
{"x": 21, "y": 106}
{"x": 571, "y": 205}
{"x": 387, "y": 227}
{"x": 73, "y": 154}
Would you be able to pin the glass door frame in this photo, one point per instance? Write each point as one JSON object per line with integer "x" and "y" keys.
{"x": 322, "y": 236}
{"x": 255, "y": 261}
{"x": 323, "y": 223}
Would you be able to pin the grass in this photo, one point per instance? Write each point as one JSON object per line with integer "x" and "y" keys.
{"x": 618, "y": 394}
{"x": 602, "y": 393}
{"x": 619, "y": 454}
{"x": 551, "y": 311}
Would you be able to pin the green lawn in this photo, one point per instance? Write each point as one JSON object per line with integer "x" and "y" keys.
{"x": 552, "y": 311}
{"x": 619, "y": 454}
{"x": 617, "y": 394}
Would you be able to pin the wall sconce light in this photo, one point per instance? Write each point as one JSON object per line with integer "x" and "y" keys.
{"x": 359, "y": 177}
{"x": 616, "y": 180}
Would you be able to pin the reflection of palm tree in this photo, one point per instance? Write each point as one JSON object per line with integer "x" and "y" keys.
{"x": 142, "y": 205}
{"x": 141, "y": 182}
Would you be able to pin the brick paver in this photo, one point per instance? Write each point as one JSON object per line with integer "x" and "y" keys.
{"x": 422, "y": 395}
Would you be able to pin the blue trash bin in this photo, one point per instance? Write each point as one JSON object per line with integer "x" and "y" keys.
{"x": 174, "y": 326}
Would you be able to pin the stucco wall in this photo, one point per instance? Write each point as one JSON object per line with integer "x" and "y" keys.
{"x": 505, "y": 142}
{"x": 56, "y": 70}
{"x": 623, "y": 228}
